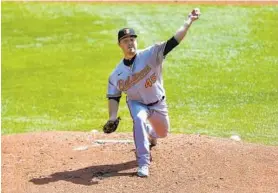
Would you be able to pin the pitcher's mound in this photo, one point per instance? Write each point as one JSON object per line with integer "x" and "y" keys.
{"x": 69, "y": 162}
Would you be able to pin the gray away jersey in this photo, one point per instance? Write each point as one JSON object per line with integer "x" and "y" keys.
{"x": 143, "y": 80}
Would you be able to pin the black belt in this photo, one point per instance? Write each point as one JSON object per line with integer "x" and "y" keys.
{"x": 151, "y": 104}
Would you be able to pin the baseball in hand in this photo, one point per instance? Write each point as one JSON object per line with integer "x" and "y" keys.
{"x": 195, "y": 14}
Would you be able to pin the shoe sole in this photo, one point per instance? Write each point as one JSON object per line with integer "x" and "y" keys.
{"x": 142, "y": 176}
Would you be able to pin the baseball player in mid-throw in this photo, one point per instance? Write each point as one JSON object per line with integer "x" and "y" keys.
{"x": 139, "y": 75}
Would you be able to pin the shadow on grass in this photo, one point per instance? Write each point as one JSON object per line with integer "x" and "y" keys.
{"x": 89, "y": 175}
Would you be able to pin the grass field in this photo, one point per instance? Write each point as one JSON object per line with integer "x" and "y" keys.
{"x": 222, "y": 80}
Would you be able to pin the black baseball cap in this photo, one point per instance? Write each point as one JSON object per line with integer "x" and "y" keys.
{"x": 126, "y": 32}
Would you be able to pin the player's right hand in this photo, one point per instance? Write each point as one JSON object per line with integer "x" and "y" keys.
{"x": 194, "y": 14}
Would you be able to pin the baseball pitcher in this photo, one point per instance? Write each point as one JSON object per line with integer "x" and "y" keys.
{"x": 139, "y": 76}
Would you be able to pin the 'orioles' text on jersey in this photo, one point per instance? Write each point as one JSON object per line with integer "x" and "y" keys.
{"x": 142, "y": 81}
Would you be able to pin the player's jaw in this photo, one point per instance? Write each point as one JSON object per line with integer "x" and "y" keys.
{"x": 131, "y": 50}
{"x": 129, "y": 46}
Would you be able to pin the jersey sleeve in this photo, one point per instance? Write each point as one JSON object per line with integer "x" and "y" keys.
{"x": 157, "y": 53}
{"x": 170, "y": 45}
{"x": 112, "y": 90}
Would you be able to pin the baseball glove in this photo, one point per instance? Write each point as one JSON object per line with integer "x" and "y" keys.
{"x": 111, "y": 126}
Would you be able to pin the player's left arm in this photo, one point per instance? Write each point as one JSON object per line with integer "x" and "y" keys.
{"x": 181, "y": 32}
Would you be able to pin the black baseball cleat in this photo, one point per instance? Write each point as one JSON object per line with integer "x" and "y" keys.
{"x": 153, "y": 142}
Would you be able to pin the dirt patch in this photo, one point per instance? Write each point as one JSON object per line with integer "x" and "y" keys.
{"x": 70, "y": 162}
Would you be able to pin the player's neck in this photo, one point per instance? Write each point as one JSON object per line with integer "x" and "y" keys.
{"x": 129, "y": 62}
{"x": 129, "y": 57}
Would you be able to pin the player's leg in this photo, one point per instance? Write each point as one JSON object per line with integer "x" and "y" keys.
{"x": 139, "y": 114}
{"x": 151, "y": 131}
{"x": 152, "y": 135}
{"x": 159, "y": 119}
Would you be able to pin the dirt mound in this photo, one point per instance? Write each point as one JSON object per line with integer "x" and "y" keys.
{"x": 70, "y": 162}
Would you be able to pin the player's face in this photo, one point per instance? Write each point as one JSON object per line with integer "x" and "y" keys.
{"x": 129, "y": 46}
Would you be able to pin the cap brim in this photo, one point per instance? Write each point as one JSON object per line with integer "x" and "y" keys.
{"x": 125, "y": 36}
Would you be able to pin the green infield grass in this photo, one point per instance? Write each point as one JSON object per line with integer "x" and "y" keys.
{"x": 221, "y": 80}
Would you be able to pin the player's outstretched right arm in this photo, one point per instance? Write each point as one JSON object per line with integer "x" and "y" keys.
{"x": 181, "y": 32}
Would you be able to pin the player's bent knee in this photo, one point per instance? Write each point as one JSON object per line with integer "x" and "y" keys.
{"x": 162, "y": 134}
